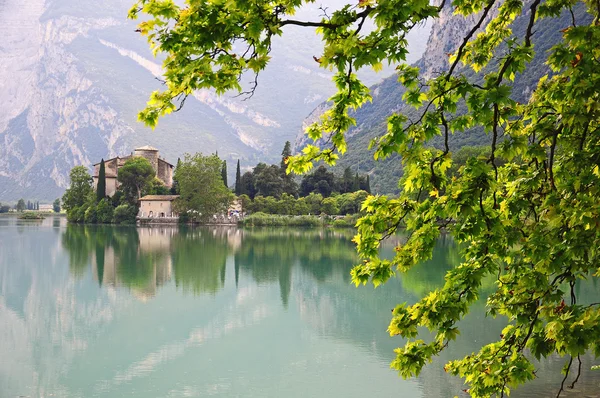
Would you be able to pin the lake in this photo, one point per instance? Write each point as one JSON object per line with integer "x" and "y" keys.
{"x": 107, "y": 311}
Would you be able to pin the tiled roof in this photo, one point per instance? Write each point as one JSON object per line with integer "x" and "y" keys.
{"x": 160, "y": 197}
{"x": 106, "y": 161}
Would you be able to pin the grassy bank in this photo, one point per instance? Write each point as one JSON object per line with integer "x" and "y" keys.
{"x": 277, "y": 220}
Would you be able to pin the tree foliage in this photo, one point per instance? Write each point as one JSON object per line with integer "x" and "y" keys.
{"x": 238, "y": 179}
{"x": 224, "y": 173}
{"x": 201, "y": 187}
{"x": 101, "y": 187}
{"x": 290, "y": 186}
{"x": 135, "y": 176}
{"x": 531, "y": 223}
{"x": 79, "y": 190}
{"x": 348, "y": 203}
{"x": 21, "y": 205}
{"x": 56, "y": 205}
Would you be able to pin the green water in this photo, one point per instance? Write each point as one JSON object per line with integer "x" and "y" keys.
{"x": 170, "y": 312}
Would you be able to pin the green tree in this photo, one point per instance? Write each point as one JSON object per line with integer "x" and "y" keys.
{"x": 246, "y": 202}
{"x": 224, "y": 173}
{"x": 91, "y": 214}
{"x": 125, "y": 214}
{"x": 201, "y": 186}
{"x": 531, "y": 223}
{"x": 289, "y": 183}
{"x": 79, "y": 189}
{"x": 21, "y": 205}
{"x": 101, "y": 186}
{"x": 320, "y": 181}
{"x": 174, "y": 186}
{"x": 135, "y": 176}
{"x": 285, "y": 155}
{"x": 329, "y": 206}
{"x": 347, "y": 181}
{"x": 268, "y": 181}
{"x": 238, "y": 179}
{"x": 156, "y": 187}
{"x": 247, "y": 184}
{"x": 56, "y": 205}
{"x": 104, "y": 212}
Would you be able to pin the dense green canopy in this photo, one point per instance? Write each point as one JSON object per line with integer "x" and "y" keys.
{"x": 201, "y": 187}
{"x": 134, "y": 176}
{"x": 530, "y": 222}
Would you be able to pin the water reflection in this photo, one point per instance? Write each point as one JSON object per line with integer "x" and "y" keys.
{"x": 199, "y": 257}
{"x": 268, "y": 255}
{"x": 137, "y": 258}
{"x": 120, "y": 311}
{"x": 143, "y": 259}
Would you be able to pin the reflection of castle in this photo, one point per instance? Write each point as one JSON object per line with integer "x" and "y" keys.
{"x": 162, "y": 168}
{"x": 152, "y": 259}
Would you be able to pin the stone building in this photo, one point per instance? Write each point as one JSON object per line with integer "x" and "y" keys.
{"x": 157, "y": 206}
{"x": 162, "y": 168}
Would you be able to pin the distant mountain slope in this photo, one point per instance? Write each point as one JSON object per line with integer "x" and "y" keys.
{"x": 446, "y": 35}
{"x": 74, "y": 74}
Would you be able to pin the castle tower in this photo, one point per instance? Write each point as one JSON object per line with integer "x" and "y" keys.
{"x": 149, "y": 153}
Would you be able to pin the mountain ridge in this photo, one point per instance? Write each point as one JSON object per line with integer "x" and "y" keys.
{"x": 74, "y": 74}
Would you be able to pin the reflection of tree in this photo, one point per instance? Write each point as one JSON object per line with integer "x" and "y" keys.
{"x": 199, "y": 258}
{"x": 100, "y": 262}
{"x": 78, "y": 243}
{"x": 429, "y": 275}
{"x": 134, "y": 267}
{"x": 269, "y": 254}
{"x": 120, "y": 256}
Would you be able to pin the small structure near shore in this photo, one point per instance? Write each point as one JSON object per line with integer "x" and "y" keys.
{"x": 157, "y": 207}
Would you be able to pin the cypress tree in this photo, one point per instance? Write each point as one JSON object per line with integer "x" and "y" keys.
{"x": 289, "y": 184}
{"x": 368, "y": 188}
{"x": 356, "y": 183}
{"x": 101, "y": 188}
{"x": 224, "y": 173}
{"x": 238, "y": 178}
{"x": 286, "y": 153}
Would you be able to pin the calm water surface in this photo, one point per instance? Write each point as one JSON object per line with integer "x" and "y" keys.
{"x": 171, "y": 312}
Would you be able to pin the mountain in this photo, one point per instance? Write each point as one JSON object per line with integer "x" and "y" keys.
{"x": 446, "y": 35}
{"x": 74, "y": 74}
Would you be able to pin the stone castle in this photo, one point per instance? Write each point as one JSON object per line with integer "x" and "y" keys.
{"x": 162, "y": 168}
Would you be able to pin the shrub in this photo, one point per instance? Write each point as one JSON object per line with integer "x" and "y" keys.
{"x": 77, "y": 214}
{"x": 125, "y": 214}
{"x": 274, "y": 220}
{"x": 104, "y": 212}
{"x": 29, "y": 215}
{"x": 348, "y": 221}
{"x": 90, "y": 215}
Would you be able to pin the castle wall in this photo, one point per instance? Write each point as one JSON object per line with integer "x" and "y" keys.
{"x": 152, "y": 157}
{"x": 165, "y": 172}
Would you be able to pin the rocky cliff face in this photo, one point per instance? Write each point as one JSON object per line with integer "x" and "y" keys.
{"x": 74, "y": 74}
